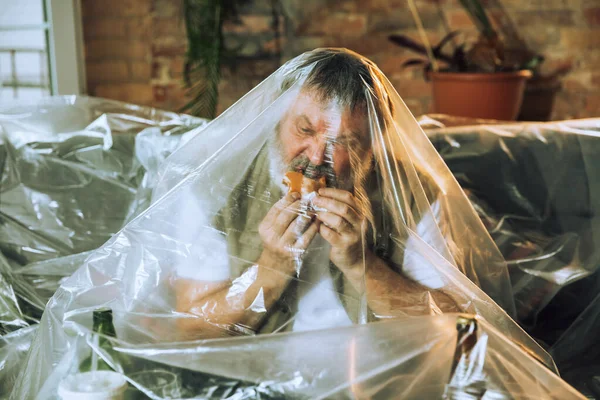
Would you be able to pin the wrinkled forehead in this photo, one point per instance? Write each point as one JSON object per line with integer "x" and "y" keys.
{"x": 329, "y": 116}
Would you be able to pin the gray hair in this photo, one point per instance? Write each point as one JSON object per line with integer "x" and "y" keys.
{"x": 345, "y": 76}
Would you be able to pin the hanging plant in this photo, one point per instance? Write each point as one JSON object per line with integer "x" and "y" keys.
{"x": 202, "y": 70}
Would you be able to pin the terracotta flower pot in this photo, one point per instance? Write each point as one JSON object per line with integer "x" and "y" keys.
{"x": 479, "y": 95}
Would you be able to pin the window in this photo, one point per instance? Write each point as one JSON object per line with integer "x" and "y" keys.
{"x": 40, "y": 49}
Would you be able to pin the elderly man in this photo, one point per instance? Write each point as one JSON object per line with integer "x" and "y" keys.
{"x": 307, "y": 263}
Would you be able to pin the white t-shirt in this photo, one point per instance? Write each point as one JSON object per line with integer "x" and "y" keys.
{"x": 319, "y": 306}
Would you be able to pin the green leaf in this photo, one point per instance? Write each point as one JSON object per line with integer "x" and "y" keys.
{"x": 479, "y": 17}
{"x": 203, "y": 19}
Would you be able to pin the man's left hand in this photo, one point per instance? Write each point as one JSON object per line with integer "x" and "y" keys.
{"x": 342, "y": 225}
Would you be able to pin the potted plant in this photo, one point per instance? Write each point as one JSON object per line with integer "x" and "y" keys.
{"x": 478, "y": 80}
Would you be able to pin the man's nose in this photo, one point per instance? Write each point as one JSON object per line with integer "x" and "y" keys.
{"x": 317, "y": 153}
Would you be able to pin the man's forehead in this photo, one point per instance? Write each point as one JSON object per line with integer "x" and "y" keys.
{"x": 318, "y": 112}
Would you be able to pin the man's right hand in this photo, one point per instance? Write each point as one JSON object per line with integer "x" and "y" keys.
{"x": 283, "y": 231}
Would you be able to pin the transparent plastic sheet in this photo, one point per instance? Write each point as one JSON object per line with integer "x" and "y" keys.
{"x": 576, "y": 351}
{"x": 535, "y": 186}
{"x": 410, "y": 358}
{"x": 13, "y": 350}
{"x": 225, "y": 255}
{"x": 74, "y": 170}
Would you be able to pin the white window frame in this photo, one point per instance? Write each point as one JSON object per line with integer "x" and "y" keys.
{"x": 65, "y": 47}
{"x": 63, "y": 29}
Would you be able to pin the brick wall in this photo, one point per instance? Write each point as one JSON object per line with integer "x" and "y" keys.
{"x": 135, "y": 48}
{"x": 134, "y": 51}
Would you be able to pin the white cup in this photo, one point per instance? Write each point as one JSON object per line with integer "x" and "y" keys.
{"x": 93, "y": 385}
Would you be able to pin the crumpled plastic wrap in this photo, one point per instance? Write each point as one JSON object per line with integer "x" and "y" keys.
{"x": 227, "y": 286}
{"x": 536, "y": 188}
{"x": 74, "y": 170}
{"x": 409, "y": 358}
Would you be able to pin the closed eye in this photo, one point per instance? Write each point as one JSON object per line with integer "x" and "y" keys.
{"x": 306, "y": 131}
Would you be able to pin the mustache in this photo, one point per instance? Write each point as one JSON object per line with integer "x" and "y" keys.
{"x": 303, "y": 165}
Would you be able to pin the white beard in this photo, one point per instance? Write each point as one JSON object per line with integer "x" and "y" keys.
{"x": 278, "y": 168}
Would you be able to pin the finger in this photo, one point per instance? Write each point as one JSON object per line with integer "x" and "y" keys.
{"x": 331, "y": 236}
{"x": 335, "y": 222}
{"x": 337, "y": 207}
{"x": 286, "y": 216}
{"x": 303, "y": 221}
{"x": 304, "y": 241}
{"x": 339, "y": 195}
{"x": 296, "y": 229}
{"x": 282, "y": 204}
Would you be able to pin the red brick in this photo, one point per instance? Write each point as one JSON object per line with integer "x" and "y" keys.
{"x": 555, "y": 18}
{"x": 136, "y": 93}
{"x": 106, "y": 71}
{"x": 568, "y": 105}
{"x": 350, "y": 6}
{"x": 579, "y": 38}
{"x": 273, "y": 46}
{"x": 596, "y": 80}
{"x": 459, "y": 19}
{"x": 540, "y": 37}
{"x": 592, "y": 106}
{"x": 167, "y": 8}
{"x": 392, "y": 63}
{"x": 407, "y": 88}
{"x": 375, "y": 43}
{"x": 140, "y": 71}
{"x": 305, "y": 43}
{"x": 258, "y": 68}
{"x": 170, "y": 97}
{"x": 400, "y": 19}
{"x": 140, "y": 28}
{"x": 580, "y": 81}
{"x": 168, "y": 27}
{"x": 336, "y": 24}
{"x": 589, "y": 60}
{"x": 539, "y": 4}
{"x": 456, "y": 3}
{"x": 592, "y": 16}
{"x": 384, "y": 5}
{"x": 177, "y": 66}
{"x": 102, "y": 49}
{"x": 251, "y": 24}
{"x": 168, "y": 46}
{"x": 178, "y": 98}
{"x": 124, "y": 8}
{"x": 372, "y": 6}
{"x": 160, "y": 93}
{"x": 104, "y": 28}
